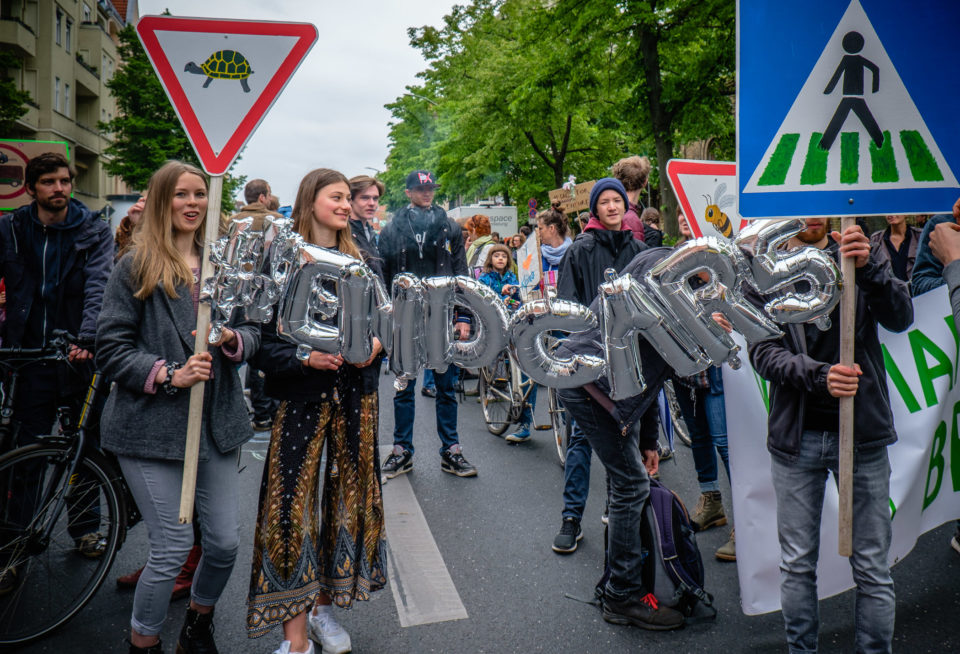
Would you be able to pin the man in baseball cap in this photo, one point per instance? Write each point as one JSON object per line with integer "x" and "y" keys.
{"x": 420, "y": 179}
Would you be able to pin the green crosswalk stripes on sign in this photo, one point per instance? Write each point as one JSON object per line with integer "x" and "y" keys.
{"x": 882, "y": 162}
{"x": 815, "y": 164}
{"x": 775, "y": 173}
{"x": 849, "y": 157}
{"x": 923, "y": 167}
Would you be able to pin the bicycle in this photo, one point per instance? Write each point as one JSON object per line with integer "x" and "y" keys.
{"x": 52, "y": 488}
{"x": 503, "y": 393}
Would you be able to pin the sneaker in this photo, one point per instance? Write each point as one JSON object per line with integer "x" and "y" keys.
{"x": 709, "y": 512}
{"x": 522, "y": 435}
{"x": 452, "y": 461}
{"x": 728, "y": 551}
{"x": 262, "y": 425}
{"x": 955, "y": 541}
{"x": 399, "y": 462}
{"x": 92, "y": 545}
{"x": 570, "y": 534}
{"x": 644, "y": 612}
{"x": 428, "y": 392}
{"x": 323, "y": 629}
{"x": 664, "y": 451}
{"x": 285, "y": 648}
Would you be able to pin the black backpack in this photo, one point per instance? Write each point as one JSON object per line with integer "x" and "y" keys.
{"x": 672, "y": 566}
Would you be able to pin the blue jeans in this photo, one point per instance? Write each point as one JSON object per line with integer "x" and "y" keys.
{"x": 404, "y": 409}
{"x": 576, "y": 472}
{"x": 428, "y": 378}
{"x": 629, "y": 488}
{"x": 526, "y": 416}
{"x": 800, "y": 487}
{"x": 706, "y": 420}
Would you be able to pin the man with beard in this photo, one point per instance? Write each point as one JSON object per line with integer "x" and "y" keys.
{"x": 806, "y": 382}
{"x": 55, "y": 256}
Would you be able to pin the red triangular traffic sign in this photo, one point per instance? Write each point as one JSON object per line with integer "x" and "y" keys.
{"x": 222, "y": 76}
{"x": 707, "y": 193}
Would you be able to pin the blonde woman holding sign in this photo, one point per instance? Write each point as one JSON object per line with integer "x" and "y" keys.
{"x": 145, "y": 344}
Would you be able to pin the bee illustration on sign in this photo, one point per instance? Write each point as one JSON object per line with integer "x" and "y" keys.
{"x": 714, "y": 212}
{"x": 223, "y": 64}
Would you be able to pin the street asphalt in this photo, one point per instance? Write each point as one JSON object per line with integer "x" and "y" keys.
{"x": 494, "y": 533}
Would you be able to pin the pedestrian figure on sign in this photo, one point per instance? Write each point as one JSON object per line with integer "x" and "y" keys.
{"x": 851, "y": 68}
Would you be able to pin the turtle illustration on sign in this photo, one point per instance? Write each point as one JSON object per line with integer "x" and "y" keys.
{"x": 223, "y": 64}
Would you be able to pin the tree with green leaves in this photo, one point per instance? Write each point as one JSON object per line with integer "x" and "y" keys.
{"x": 146, "y": 131}
{"x": 12, "y": 100}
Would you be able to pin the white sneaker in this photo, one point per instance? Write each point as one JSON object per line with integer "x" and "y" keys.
{"x": 323, "y": 629}
{"x": 285, "y": 648}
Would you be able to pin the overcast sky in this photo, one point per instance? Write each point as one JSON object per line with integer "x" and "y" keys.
{"x": 331, "y": 113}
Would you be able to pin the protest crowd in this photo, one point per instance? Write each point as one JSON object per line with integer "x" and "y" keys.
{"x": 129, "y": 301}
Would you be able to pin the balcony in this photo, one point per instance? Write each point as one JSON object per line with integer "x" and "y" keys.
{"x": 87, "y": 77}
{"x": 17, "y": 34}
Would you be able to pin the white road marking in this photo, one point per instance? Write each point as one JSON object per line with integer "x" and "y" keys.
{"x": 421, "y": 584}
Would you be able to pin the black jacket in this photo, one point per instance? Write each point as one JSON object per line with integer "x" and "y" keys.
{"x": 443, "y": 251}
{"x": 368, "y": 246}
{"x": 592, "y": 252}
{"x": 55, "y": 276}
{"x": 639, "y": 411}
{"x": 793, "y": 375}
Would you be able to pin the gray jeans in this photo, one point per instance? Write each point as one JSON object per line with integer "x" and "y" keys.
{"x": 155, "y": 485}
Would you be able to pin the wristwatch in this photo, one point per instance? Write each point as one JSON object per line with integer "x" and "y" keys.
{"x": 167, "y": 384}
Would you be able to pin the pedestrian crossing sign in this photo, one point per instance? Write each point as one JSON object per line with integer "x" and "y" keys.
{"x": 847, "y": 107}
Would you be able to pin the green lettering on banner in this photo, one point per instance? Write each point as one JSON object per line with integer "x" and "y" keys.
{"x": 956, "y": 344}
{"x": 936, "y": 463}
{"x": 955, "y": 450}
{"x": 764, "y": 387}
{"x": 921, "y": 344}
{"x": 893, "y": 371}
{"x": 893, "y": 509}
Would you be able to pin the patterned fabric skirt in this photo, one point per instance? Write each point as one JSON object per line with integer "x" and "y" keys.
{"x": 305, "y": 545}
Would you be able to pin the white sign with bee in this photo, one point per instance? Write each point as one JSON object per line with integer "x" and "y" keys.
{"x": 707, "y": 193}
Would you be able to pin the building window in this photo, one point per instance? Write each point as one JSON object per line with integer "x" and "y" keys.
{"x": 59, "y": 26}
{"x": 66, "y": 99}
{"x": 69, "y": 34}
{"x": 86, "y": 13}
{"x": 56, "y": 94}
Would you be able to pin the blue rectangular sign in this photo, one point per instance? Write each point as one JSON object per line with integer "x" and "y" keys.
{"x": 847, "y": 107}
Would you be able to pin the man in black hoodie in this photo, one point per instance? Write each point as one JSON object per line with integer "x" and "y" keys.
{"x": 56, "y": 256}
{"x": 806, "y": 381}
{"x": 423, "y": 241}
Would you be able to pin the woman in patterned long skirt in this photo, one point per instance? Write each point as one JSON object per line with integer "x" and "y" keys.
{"x": 311, "y": 551}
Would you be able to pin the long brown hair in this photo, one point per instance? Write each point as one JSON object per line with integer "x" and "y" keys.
{"x": 499, "y": 247}
{"x": 156, "y": 259}
{"x": 302, "y": 213}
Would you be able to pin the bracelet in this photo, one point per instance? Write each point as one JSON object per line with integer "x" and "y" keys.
{"x": 167, "y": 384}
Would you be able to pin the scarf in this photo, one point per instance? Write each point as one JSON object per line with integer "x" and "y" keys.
{"x": 553, "y": 255}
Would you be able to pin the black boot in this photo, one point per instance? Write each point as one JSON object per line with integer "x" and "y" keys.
{"x": 153, "y": 649}
{"x": 196, "y": 636}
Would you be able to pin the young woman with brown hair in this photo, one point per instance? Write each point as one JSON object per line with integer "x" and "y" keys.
{"x": 311, "y": 551}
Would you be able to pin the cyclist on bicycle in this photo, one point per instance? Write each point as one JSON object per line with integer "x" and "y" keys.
{"x": 55, "y": 258}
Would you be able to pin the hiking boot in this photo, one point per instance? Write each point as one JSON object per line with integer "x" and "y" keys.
{"x": 399, "y": 462}
{"x": 196, "y": 635}
{"x": 184, "y": 581}
{"x": 728, "y": 551}
{"x": 709, "y": 512}
{"x": 324, "y": 629}
{"x": 641, "y": 611}
{"x": 129, "y": 580}
{"x": 92, "y": 545}
{"x": 522, "y": 435}
{"x": 428, "y": 391}
{"x": 570, "y": 534}
{"x": 452, "y": 461}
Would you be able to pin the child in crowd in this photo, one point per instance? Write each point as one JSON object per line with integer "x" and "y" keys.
{"x": 144, "y": 343}
{"x": 498, "y": 276}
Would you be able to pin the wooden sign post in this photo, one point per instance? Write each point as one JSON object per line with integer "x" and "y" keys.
{"x": 848, "y": 316}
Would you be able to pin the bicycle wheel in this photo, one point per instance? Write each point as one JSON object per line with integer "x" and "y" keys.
{"x": 560, "y": 424}
{"x": 37, "y": 541}
{"x": 676, "y": 418}
{"x": 496, "y": 396}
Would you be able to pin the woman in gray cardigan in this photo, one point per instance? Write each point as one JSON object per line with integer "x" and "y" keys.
{"x": 145, "y": 345}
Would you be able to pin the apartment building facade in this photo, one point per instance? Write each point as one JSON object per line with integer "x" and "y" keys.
{"x": 69, "y": 53}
